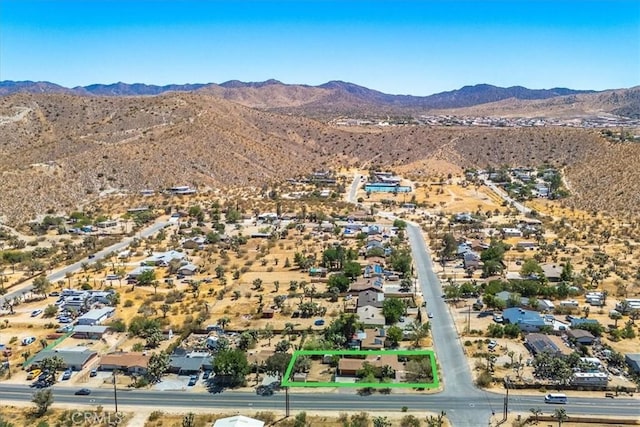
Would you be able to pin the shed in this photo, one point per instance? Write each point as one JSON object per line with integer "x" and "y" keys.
{"x": 91, "y": 332}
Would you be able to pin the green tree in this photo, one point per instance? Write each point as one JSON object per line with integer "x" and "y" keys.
{"x": 147, "y": 277}
{"x": 352, "y": 269}
{"x": 394, "y": 335}
{"x": 338, "y": 281}
{"x": 232, "y": 365}
{"x": 277, "y": 364}
{"x": 43, "y": 399}
{"x": 341, "y": 330}
{"x": 41, "y": 285}
{"x": 51, "y": 310}
{"x": 158, "y": 365}
{"x": 449, "y": 246}
{"x": 393, "y": 309}
{"x": 52, "y": 364}
{"x": 418, "y": 332}
{"x": 530, "y": 267}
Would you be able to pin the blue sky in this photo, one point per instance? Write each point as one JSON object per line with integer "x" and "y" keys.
{"x": 402, "y": 47}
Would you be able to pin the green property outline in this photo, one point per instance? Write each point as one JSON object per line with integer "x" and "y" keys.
{"x": 435, "y": 384}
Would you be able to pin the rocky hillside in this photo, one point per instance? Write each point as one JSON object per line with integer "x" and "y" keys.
{"x": 57, "y": 150}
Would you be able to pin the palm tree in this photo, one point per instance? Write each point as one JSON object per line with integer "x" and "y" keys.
{"x": 419, "y": 331}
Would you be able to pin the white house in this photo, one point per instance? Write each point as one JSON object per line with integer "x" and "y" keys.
{"x": 96, "y": 316}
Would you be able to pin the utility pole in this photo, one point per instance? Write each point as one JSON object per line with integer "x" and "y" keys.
{"x": 286, "y": 402}
{"x": 469, "y": 319}
{"x": 115, "y": 390}
{"x": 506, "y": 399}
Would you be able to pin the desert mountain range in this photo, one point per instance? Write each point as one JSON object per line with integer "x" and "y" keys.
{"x": 58, "y": 149}
{"x": 337, "y": 97}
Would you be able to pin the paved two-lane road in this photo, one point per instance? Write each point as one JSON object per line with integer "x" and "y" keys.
{"x": 61, "y": 273}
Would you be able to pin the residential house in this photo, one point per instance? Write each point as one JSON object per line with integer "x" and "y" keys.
{"x": 541, "y": 343}
{"x": 350, "y": 367}
{"x": 371, "y": 339}
{"x": 527, "y": 320}
{"x": 162, "y": 259}
{"x": 371, "y": 297}
{"x": 96, "y": 316}
{"x": 188, "y": 269}
{"x": 471, "y": 260}
{"x": 633, "y": 361}
{"x": 137, "y": 272}
{"x": 89, "y": 332}
{"x": 238, "y": 421}
{"x": 362, "y": 285}
{"x": 552, "y": 272}
{"x": 511, "y": 232}
{"x": 74, "y": 358}
{"x": 373, "y": 270}
{"x": 184, "y": 362}
{"x": 370, "y": 315}
{"x": 581, "y": 336}
{"x": 126, "y": 362}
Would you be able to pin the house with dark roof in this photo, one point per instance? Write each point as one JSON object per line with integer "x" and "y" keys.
{"x": 527, "y": 320}
{"x": 183, "y": 362}
{"x": 371, "y": 297}
{"x": 633, "y": 361}
{"x": 581, "y": 336}
{"x": 471, "y": 260}
{"x": 74, "y": 358}
{"x": 363, "y": 285}
{"x": 89, "y": 332}
{"x": 541, "y": 343}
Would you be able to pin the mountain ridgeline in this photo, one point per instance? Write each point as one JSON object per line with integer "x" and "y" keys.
{"x": 273, "y": 94}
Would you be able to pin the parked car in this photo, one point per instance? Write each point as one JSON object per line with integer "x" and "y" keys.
{"x": 492, "y": 344}
{"x": 319, "y": 322}
{"x": 54, "y": 294}
{"x": 28, "y": 340}
{"x": 33, "y": 374}
{"x": 430, "y": 315}
{"x": 83, "y": 392}
{"x": 66, "y": 375}
{"x": 36, "y": 313}
{"x": 93, "y": 372}
{"x": 193, "y": 380}
{"x": 206, "y": 375}
{"x": 64, "y": 320}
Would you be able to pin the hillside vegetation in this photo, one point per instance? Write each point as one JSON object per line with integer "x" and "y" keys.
{"x": 57, "y": 150}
